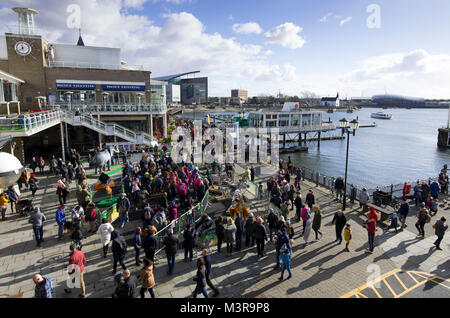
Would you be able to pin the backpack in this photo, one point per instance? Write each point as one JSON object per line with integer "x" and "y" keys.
{"x": 428, "y": 218}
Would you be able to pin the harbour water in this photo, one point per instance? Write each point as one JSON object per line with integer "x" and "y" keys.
{"x": 397, "y": 150}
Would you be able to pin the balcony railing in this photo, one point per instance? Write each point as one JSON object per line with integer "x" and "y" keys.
{"x": 108, "y": 108}
{"x": 74, "y": 64}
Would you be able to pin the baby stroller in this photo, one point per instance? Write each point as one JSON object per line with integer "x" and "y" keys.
{"x": 25, "y": 207}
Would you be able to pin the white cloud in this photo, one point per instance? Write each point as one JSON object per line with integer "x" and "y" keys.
{"x": 415, "y": 73}
{"x": 325, "y": 18}
{"x": 247, "y": 28}
{"x": 287, "y": 35}
{"x": 269, "y": 52}
{"x": 346, "y": 20}
{"x": 136, "y": 4}
{"x": 181, "y": 43}
{"x": 230, "y": 17}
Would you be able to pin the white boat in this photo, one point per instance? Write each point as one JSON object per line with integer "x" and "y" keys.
{"x": 381, "y": 115}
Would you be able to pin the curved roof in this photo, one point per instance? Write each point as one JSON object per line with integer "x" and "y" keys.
{"x": 381, "y": 97}
{"x": 171, "y": 77}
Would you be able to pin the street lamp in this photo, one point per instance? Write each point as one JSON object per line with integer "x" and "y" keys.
{"x": 349, "y": 127}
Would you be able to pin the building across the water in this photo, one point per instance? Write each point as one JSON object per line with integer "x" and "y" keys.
{"x": 239, "y": 96}
{"x": 39, "y": 75}
{"x": 330, "y": 101}
{"x": 397, "y": 101}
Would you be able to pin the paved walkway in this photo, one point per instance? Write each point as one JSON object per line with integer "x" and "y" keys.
{"x": 321, "y": 269}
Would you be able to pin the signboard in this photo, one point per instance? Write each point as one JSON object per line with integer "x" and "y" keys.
{"x": 75, "y": 86}
{"x": 132, "y": 88}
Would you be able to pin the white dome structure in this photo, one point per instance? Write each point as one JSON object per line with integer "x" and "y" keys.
{"x": 10, "y": 170}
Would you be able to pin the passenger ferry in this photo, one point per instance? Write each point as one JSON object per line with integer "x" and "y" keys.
{"x": 381, "y": 115}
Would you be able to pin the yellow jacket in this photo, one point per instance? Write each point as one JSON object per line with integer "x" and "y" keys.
{"x": 347, "y": 235}
{"x": 3, "y": 201}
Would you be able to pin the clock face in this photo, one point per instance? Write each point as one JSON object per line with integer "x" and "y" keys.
{"x": 22, "y": 48}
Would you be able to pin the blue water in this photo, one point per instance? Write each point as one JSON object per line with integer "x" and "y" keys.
{"x": 397, "y": 150}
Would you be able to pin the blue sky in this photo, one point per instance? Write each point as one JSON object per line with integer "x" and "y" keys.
{"x": 289, "y": 45}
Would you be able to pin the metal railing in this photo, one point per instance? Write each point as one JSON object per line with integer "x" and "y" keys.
{"x": 29, "y": 123}
{"x": 109, "y": 108}
{"x": 86, "y": 65}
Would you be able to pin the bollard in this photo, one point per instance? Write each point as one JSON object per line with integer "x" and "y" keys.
{"x": 317, "y": 178}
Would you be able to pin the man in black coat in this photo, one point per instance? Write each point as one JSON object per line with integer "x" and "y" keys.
{"x": 207, "y": 259}
{"x": 310, "y": 200}
{"x": 298, "y": 206}
{"x": 239, "y": 223}
{"x": 127, "y": 286}
{"x": 171, "y": 243}
{"x": 260, "y": 236}
{"x": 149, "y": 244}
{"x": 119, "y": 250}
{"x": 220, "y": 232}
{"x": 272, "y": 220}
{"x": 188, "y": 235}
{"x": 403, "y": 213}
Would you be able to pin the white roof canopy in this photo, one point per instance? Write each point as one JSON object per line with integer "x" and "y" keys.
{"x": 10, "y": 78}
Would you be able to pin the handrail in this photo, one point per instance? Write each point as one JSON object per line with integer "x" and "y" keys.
{"x": 109, "y": 108}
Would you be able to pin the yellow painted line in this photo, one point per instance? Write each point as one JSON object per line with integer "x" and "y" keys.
{"x": 439, "y": 283}
{"x": 357, "y": 296}
{"x": 389, "y": 287}
{"x": 400, "y": 281}
{"x": 412, "y": 288}
{"x": 376, "y": 292}
{"x": 410, "y": 275}
{"x": 364, "y": 296}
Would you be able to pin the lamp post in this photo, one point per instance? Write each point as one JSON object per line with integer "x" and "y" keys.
{"x": 346, "y": 126}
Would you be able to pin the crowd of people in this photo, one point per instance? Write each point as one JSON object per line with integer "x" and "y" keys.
{"x": 158, "y": 190}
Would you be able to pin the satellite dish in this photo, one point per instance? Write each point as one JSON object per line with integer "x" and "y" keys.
{"x": 10, "y": 170}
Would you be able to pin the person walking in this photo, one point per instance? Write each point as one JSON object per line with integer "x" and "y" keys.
{"x": 77, "y": 213}
{"x": 77, "y": 236}
{"x": 403, "y": 212}
{"x": 339, "y": 220}
{"x": 207, "y": 260}
{"x": 286, "y": 258}
{"x": 127, "y": 287}
{"x": 307, "y": 229}
{"x": 347, "y": 236}
{"x": 239, "y": 222}
{"x": 371, "y": 226}
{"x": 13, "y": 196}
{"x": 171, "y": 243}
{"x": 298, "y": 206}
{"x": 317, "y": 222}
{"x": 306, "y": 215}
{"x": 105, "y": 230}
{"x": 149, "y": 243}
{"x": 37, "y": 220}
{"x": 44, "y": 286}
{"x": 188, "y": 242}
{"x": 33, "y": 185}
{"x": 364, "y": 198}
{"x": 137, "y": 242}
{"x": 200, "y": 279}
{"x": 147, "y": 278}
{"x": 77, "y": 261}
{"x": 61, "y": 220}
{"x": 4, "y": 205}
{"x": 272, "y": 220}
{"x": 62, "y": 190}
{"x": 339, "y": 188}
{"x": 310, "y": 199}
{"x": 282, "y": 240}
{"x": 439, "y": 229}
{"x": 230, "y": 235}
{"x": 422, "y": 217}
{"x": 219, "y": 232}
{"x": 123, "y": 206}
{"x": 249, "y": 229}
{"x": 260, "y": 235}
{"x": 91, "y": 217}
{"x": 119, "y": 250}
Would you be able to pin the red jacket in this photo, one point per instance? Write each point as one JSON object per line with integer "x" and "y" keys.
{"x": 373, "y": 215}
{"x": 77, "y": 257}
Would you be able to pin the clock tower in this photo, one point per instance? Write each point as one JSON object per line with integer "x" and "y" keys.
{"x": 26, "y": 51}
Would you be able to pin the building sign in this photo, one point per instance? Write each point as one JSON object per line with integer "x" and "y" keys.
{"x": 75, "y": 86}
{"x": 132, "y": 88}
